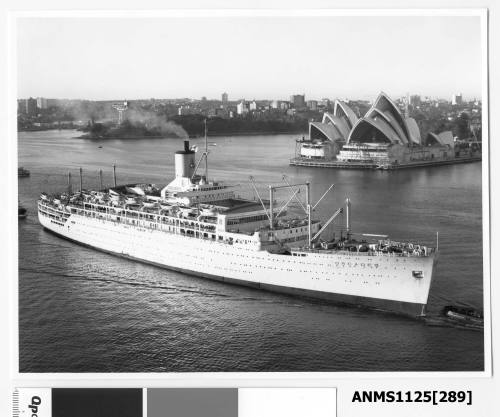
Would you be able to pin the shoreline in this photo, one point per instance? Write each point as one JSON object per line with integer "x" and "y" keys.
{"x": 266, "y": 133}
{"x": 213, "y": 135}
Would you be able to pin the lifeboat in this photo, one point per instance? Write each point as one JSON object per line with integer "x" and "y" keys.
{"x": 186, "y": 212}
{"x": 328, "y": 245}
{"x": 135, "y": 190}
{"x": 208, "y": 211}
{"x": 148, "y": 204}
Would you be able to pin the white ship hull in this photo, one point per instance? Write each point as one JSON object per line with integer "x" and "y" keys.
{"x": 394, "y": 283}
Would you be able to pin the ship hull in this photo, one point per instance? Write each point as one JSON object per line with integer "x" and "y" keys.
{"x": 378, "y": 282}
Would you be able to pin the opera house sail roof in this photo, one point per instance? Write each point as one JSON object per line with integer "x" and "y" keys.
{"x": 384, "y": 123}
{"x": 383, "y": 138}
{"x": 334, "y": 126}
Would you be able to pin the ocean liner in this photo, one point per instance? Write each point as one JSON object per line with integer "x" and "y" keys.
{"x": 204, "y": 228}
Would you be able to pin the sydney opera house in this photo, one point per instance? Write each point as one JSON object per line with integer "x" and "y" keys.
{"x": 384, "y": 136}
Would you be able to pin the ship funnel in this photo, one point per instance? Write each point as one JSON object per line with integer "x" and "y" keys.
{"x": 184, "y": 162}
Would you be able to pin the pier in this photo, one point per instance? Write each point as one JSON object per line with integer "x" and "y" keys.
{"x": 372, "y": 165}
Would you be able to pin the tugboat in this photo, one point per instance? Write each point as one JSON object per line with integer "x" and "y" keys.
{"x": 22, "y": 172}
{"x": 464, "y": 314}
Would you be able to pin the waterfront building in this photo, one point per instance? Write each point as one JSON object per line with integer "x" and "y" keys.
{"x": 184, "y": 110}
{"x": 242, "y": 107}
{"x": 41, "y": 103}
{"x": 327, "y": 137}
{"x": 385, "y": 136}
{"x": 312, "y": 105}
{"x": 334, "y": 126}
{"x": 325, "y": 102}
{"x": 222, "y": 112}
{"x": 415, "y": 100}
{"x": 51, "y": 102}
{"x": 21, "y": 106}
{"x": 456, "y": 99}
{"x": 252, "y": 106}
{"x": 274, "y": 104}
{"x": 298, "y": 101}
{"x": 284, "y": 105}
{"x": 31, "y": 107}
{"x": 224, "y": 98}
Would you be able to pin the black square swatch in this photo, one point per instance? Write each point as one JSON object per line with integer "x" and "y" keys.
{"x": 97, "y": 402}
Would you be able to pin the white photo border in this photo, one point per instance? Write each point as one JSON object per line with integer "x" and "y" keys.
{"x": 236, "y": 379}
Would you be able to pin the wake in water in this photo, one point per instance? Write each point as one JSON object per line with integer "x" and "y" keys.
{"x": 443, "y": 321}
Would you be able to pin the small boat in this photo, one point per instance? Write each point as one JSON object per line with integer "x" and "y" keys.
{"x": 22, "y": 172}
{"x": 463, "y": 314}
{"x": 22, "y": 212}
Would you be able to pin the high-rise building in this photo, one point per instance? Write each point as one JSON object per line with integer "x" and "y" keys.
{"x": 456, "y": 99}
{"x": 31, "y": 106}
{"x": 274, "y": 104}
{"x": 21, "y": 105}
{"x": 298, "y": 101}
{"x": 242, "y": 107}
{"x": 415, "y": 100}
{"x": 253, "y": 106}
{"x": 284, "y": 105}
{"x": 312, "y": 104}
{"x": 224, "y": 98}
{"x": 51, "y": 102}
{"x": 41, "y": 102}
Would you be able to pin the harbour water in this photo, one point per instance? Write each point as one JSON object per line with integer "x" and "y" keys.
{"x": 81, "y": 310}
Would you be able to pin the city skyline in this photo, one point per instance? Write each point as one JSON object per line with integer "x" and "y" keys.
{"x": 448, "y": 98}
{"x": 249, "y": 57}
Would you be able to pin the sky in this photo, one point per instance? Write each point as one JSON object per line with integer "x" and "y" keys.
{"x": 248, "y": 57}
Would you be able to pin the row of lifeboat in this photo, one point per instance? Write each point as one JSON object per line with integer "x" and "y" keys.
{"x": 383, "y": 246}
{"x": 119, "y": 203}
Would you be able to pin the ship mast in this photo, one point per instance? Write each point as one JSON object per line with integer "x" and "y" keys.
{"x": 206, "y": 153}
{"x": 309, "y": 220}
{"x": 348, "y": 217}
